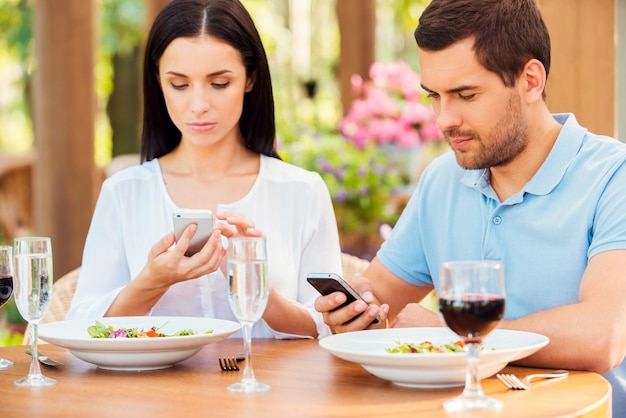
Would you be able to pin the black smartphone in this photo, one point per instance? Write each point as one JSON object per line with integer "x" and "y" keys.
{"x": 327, "y": 283}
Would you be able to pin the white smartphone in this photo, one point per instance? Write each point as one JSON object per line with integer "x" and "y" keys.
{"x": 201, "y": 217}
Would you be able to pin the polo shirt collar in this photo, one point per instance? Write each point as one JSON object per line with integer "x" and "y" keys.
{"x": 553, "y": 168}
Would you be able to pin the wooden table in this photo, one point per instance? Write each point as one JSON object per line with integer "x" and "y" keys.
{"x": 306, "y": 381}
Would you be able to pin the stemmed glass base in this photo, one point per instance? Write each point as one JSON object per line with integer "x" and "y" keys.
{"x": 469, "y": 402}
{"x": 473, "y": 397}
{"x": 35, "y": 381}
{"x": 248, "y": 383}
{"x": 35, "y": 378}
{"x": 5, "y": 364}
{"x": 249, "y": 386}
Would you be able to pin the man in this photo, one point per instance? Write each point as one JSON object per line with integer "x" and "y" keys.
{"x": 532, "y": 189}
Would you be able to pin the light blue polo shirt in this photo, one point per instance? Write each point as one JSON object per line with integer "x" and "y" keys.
{"x": 573, "y": 208}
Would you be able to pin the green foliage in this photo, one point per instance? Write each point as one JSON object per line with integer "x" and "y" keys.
{"x": 16, "y": 27}
{"x": 16, "y": 65}
{"x": 11, "y": 313}
{"x": 9, "y": 319}
{"x": 122, "y": 30}
{"x": 9, "y": 338}
{"x": 122, "y": 25}
{"x": 360, "y": 181}
{"x": 402, "y": 16}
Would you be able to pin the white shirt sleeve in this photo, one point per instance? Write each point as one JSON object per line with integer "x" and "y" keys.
{"x": 104, "y": 271}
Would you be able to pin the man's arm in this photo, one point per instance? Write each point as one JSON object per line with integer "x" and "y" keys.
{"x": 590, "y": 334}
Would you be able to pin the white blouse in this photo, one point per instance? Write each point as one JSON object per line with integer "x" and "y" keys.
{"x": 290, "y": 205}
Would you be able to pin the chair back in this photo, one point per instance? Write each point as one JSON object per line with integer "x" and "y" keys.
{"x": 62, "y": 294}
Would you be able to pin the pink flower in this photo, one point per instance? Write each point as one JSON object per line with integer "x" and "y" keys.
{"x": 431, "y": 132}
{"x": 416, "y": 113}
{"x": 389, "y": 108}
{"x": 356, "y": 81}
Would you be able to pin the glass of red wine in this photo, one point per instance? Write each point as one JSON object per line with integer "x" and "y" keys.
{"x": 6, "y": 285}
{"x": 471, "y": 301}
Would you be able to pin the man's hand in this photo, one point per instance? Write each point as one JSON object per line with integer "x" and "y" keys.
{"x": 356, "y": 316}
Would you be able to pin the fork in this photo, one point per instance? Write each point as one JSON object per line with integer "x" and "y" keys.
{"x": 231, "y": 363}
{"x": 513, "y": 382}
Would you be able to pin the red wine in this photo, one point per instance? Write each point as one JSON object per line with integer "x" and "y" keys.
{"x": 474, "y": 316}
{"x": 6, "y": 288}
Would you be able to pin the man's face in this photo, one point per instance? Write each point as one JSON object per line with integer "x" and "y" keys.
{"x": 482, "y": 119}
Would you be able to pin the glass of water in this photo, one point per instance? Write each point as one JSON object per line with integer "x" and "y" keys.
{"x": 248, "y": 290}
{"x": 33, "y": 282}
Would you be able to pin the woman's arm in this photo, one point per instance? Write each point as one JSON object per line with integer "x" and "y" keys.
{"x": 312, "y": 232}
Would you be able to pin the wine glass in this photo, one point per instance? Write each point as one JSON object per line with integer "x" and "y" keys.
{"x": 6, "y": 285}
{"x": 248, "y": 290}
{"x": 33, "y": 290}
{"x": 471, "y": 300}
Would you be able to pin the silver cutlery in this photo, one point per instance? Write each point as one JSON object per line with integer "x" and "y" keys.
{"x": 513, "y": 382}
{"x": 231, "y": 363}
{"x": 44, "y": 359}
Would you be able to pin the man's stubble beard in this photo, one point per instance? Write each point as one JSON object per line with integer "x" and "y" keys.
{"x": 506, "y": 141}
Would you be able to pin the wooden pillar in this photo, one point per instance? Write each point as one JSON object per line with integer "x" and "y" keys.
{"x": 357, "y": 29}
{"x": 583, "y": 74}
{"x": 153, "y": 7}
{"x": 64, "y": 115}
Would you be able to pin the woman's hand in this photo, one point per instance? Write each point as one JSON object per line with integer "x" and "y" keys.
{"x": 236, "y": 225}
{"x": 169, "y": 263}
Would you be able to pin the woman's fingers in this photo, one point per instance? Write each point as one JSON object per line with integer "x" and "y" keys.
{"x": 185, "y": 239}
{"x": 162, "y": 245}
{"x": 243, "y": 226}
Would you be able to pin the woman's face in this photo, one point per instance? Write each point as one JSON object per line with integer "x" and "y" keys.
{"x": 204, "y": 81}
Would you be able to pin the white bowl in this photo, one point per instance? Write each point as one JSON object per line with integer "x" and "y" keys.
{"x": 137, "y": 353}
{"x": 429, "y": 370}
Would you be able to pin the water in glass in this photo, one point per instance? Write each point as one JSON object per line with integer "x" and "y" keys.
{"x": 33, "y": 274}
{"x": 248, "y": 290}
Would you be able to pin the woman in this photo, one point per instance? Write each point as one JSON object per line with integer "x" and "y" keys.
{"x": 208, "y": 142}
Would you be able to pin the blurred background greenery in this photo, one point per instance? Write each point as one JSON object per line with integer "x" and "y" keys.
{"x": 302, "y": 40}
{"x": 306, "y": 94}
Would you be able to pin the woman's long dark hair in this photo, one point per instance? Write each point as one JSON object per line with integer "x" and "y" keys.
{"x": 230, "y": 22}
